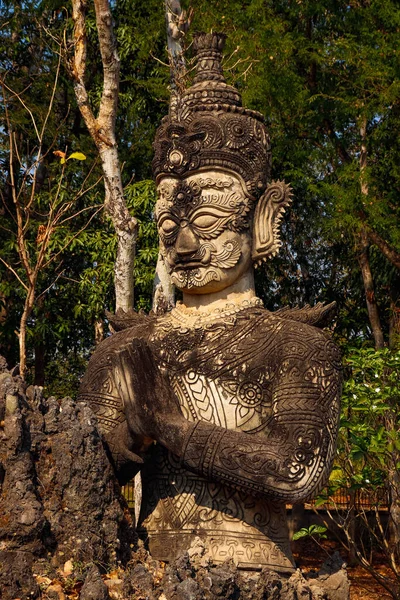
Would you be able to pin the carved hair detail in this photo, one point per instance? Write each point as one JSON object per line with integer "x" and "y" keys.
{"x": 267, "y": 218}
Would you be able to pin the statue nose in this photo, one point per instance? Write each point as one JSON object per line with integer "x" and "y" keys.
{"x": 186, "y": 242}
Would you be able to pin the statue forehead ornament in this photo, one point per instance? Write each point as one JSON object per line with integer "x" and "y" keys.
{"x": 208, "y": 129}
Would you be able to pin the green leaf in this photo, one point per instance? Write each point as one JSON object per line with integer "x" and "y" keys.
{"x": 313, "y": 530}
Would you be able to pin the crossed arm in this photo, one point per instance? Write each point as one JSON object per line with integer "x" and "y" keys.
{"x": 290, "y": 461}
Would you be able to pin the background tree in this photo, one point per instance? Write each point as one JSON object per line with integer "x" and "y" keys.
{"x": 102, "y": 131}
{"x": 326, "y": 76}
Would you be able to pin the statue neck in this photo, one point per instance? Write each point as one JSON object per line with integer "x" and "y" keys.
{"x": 242, "y": 289}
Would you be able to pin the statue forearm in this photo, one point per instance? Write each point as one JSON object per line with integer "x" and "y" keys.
{"x": 290, "y": 468}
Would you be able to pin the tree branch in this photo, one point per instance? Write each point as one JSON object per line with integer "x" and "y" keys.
{"x": 78, "y": 66}
{"x": 390, "y": 253}
{"x": 111, "y": 63}
{"x": 9, "y": 267}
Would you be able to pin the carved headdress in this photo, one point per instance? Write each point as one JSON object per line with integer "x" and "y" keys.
{"x": 207, "y": 127}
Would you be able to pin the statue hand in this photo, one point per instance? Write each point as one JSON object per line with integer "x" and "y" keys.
{"x": 150, "y": 406}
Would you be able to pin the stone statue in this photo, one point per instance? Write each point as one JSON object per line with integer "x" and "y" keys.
{"x": 230, "y": 411}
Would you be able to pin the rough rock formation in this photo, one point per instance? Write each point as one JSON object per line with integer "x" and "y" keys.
{"x": 59, "y": 499}
{"x": 194, "y": 577}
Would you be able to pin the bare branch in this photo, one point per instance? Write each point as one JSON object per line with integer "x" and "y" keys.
{"x": 9, "y": 267}
{"x": 28, "y": 110}
{"x": 50, "y": 286}
{"x": 52, "y": 258}
{"x": 22, "y": 250}
{"x": 100, "y": 206}
{"x": 39, "y": 157}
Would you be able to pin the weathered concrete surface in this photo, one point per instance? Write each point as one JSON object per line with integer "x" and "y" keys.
{"x": 59, "y": 499}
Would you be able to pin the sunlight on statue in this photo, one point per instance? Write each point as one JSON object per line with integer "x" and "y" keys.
{"x": 229, "y": 410}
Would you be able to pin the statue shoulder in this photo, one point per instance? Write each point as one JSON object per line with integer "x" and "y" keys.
{"x": 298, "y": 339}
{"x": 319, "y": 315}
{"x": 98, "y": 373}
{"x": 99, "y": 387}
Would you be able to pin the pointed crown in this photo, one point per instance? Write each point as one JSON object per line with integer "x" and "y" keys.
{"x": 207, "y": 126}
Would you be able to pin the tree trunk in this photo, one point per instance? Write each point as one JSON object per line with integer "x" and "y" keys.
{"x": 394, "y": 314}
{"x": 390, "y": 253}
{"x": 394, "y": 511}
{"x": 177, "y": 24}
{"x": 163, "y": 290}
{"x": 373, "y": 313}
{"x": 363, "y": 257}
{"x": 352, "y": 528}
{"x": 28, "y": 307}
{"x": 102, "y": 131}
{"x": 40, "y": 363}
{"x": 98, "y": 331}
{"x": 125, "y": 226}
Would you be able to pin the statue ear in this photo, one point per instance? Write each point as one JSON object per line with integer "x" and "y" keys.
{"x": 267, "y": 216}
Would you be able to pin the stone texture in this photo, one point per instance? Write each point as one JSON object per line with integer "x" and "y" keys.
{"x": 94, "y": 587}
{"x": 243, "y": 404}
{"x": 59, "y": 498}
{"x": 190, "y": 578}
{"x": 54, "y": 469}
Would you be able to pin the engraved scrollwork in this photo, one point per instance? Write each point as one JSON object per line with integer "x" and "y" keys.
{"x": 211, "y": 130}
{"x": 238, "y": 132}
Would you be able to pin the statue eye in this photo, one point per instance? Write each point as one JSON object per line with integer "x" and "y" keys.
{"x": 209, "y": 224}
{"x": 205, "y": 221}
{"x": 168, "y": 226}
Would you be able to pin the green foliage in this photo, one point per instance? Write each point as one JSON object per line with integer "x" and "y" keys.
{"x": 314, "y": 532}
{"x": 369, "y": 437}
{"x": 370, "y": 425}
{"x": 315, "y": 69}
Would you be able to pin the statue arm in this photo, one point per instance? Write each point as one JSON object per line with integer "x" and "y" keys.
{"x": 293, "y": 458}
{"x": 289, "y": 461}
{"x": 125, "y": 448}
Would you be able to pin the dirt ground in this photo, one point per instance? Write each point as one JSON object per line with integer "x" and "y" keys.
{"x": 310, "y": 556}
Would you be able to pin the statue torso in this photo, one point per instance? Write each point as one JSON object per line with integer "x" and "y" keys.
{"x": 223, "y": 372}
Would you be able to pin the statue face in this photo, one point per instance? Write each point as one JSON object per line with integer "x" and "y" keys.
{"x": 203, "y": 222}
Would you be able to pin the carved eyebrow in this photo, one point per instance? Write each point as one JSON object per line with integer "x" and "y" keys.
{"x": 215, "y": 210}
{"x": 164, "y": 215}
{"x": 168, "y": 213}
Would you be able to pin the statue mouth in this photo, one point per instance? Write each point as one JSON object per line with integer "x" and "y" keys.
{"x": 209, "y": 256}
{"x": 189, "y": 265}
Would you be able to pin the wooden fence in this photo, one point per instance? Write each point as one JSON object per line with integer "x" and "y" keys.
{"x": 360, "y": 499}
{"x": 342, "y": 499}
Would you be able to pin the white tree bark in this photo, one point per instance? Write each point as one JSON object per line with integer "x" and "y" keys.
{"x": 102, "y": 131}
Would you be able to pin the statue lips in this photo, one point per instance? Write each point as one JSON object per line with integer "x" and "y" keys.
{"x": 188, "y": 266}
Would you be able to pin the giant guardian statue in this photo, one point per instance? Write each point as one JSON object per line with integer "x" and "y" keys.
{"x": 229, "y": 410}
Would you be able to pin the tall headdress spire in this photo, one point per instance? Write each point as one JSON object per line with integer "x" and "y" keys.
{"x": 209, "y": 128}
